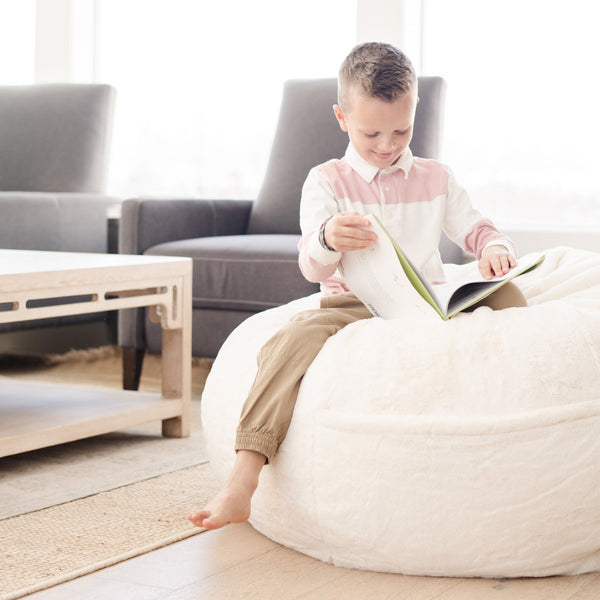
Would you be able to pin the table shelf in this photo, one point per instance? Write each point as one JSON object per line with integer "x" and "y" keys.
{"x": 35, "y": 415}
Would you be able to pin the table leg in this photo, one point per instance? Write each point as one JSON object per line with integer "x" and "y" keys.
{"x": 177, "y": 363}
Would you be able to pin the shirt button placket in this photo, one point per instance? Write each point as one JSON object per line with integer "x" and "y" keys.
{"x": 385, "y": 188}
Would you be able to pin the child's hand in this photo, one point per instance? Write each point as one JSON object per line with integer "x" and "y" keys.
{"x": 496, "y": 260}
{"x": 345, "y": 231}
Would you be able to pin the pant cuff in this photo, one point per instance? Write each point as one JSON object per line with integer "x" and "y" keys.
{"x": 263, "y": 443}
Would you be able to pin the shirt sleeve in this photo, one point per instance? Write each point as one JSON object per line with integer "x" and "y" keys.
{"x": 466, "y": 226}
{"x": 317, "y": 204}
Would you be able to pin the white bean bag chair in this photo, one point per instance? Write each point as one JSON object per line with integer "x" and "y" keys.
{"x": 461, "y": 448}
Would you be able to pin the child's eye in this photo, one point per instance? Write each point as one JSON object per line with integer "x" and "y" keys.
{"x": 371, "y": 135}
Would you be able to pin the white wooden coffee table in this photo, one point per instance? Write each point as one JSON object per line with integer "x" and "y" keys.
{"x": 34, "y": 415}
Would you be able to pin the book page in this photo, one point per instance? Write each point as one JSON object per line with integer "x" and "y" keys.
{"x": 385, "y": 280}
{"x": 470, "y": 286}
{"x": 377, "y": 278}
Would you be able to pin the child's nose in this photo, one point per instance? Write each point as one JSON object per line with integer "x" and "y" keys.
{"x": 387, "y": 144}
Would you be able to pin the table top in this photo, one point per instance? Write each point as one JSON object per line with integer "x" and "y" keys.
{"x": 14, "y": 262}
{"x": 31, "y": 281}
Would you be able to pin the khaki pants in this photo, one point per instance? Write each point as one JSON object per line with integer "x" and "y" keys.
{"x": 285, "y": 358}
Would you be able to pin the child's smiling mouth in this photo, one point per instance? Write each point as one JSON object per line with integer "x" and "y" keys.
{"x": 384, "y": 157}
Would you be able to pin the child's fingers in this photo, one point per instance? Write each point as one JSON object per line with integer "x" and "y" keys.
{"x": 350, "y": 220}
{"x": 496, "y": 264}
{"x": 347, "y": 232}
{"x": 485, "y": 268}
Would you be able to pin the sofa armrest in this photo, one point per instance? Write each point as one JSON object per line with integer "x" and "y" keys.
{"x": 146, "y": 222}
{"x": 55, "y": 222}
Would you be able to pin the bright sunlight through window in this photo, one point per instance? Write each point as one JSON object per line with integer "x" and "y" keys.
{"x": 199, "y": 86}
{"x": 17, "y": 41}
{"x": 522, "y": 126}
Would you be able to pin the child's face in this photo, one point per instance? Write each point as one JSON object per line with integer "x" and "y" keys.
{"x": 379, "y": 130}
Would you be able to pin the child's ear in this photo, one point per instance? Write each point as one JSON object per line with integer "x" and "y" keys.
{"x": 339, "y": 115}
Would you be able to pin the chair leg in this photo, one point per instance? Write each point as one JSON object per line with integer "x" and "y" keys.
{"x": 133, "y": 359}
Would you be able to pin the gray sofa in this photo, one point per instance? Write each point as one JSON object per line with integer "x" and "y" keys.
{"x": 245, "y": 252}
{"x": 54, "y": 149}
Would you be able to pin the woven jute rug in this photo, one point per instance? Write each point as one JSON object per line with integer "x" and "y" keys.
{"x": 44, "y": 548}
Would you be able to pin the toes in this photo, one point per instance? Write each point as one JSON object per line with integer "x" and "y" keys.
{"x": 208, "y": 524}
{"x": 198, "y": 517}
{"x": 204, "y": 518}
{"x": 214, "y": 522}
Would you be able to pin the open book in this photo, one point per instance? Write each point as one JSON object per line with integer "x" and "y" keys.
{"x": 385, "y": 280}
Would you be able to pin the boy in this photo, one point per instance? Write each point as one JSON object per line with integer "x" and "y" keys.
{"x": 414, "y": 198}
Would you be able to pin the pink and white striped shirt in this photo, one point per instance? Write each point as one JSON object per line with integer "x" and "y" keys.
{"x": 415, "y": 199}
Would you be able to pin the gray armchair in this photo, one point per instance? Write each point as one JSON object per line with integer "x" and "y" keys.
{"x": 54, "y": 147}
{"x": 245, "y": 252}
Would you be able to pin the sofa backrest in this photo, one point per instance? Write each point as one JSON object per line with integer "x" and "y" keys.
{"x": 308, "y": 134}
{"x": 55, "y": 137}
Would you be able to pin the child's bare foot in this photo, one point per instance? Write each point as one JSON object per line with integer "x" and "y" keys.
{"x": 228, "y": 506}
{"x": 232, "y": 503}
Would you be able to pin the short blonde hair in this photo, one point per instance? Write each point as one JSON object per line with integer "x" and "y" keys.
{"x": 377, "y": 70}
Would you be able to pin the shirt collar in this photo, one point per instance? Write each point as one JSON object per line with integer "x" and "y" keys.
{"x": 368, "y": 171}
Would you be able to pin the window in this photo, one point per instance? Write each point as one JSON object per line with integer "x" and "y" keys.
{"x": 521, "y": 123}
{"x": 199, "y": 85}
{"x": 17, "y": 41}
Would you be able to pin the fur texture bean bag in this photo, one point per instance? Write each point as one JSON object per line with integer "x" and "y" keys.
{"x": 461, "y": 448}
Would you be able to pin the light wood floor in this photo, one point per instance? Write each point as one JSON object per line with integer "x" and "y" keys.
{"x": 237, "y": 563}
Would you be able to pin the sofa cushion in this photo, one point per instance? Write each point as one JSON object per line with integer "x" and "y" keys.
{"x": 51, "y": 222}
{"x": 242, "y": 272}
